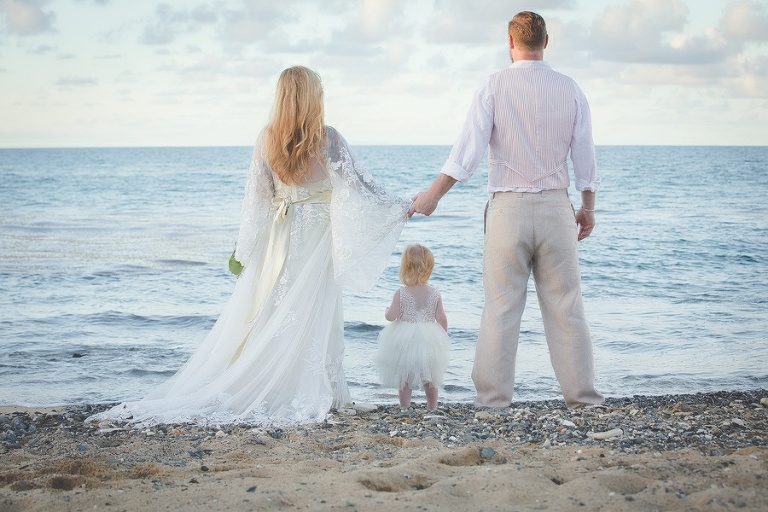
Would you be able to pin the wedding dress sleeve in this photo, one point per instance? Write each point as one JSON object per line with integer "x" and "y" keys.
{"x": 255, "y": 217}
{"x": 366, "y": 220}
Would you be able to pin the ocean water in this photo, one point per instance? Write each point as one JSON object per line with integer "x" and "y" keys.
{"x": 113, "y": 266}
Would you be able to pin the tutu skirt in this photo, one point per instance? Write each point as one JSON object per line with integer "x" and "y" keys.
{"x": 412, "y": 353}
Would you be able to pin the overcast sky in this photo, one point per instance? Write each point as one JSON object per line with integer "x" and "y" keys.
{"x": 188, "y": 72}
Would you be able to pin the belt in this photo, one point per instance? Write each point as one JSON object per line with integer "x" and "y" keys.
{"x": 283, "y": 203}
{"x": 553, "y": 191}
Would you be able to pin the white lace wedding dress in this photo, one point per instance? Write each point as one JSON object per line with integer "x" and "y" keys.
{"x": 274, "y": 356}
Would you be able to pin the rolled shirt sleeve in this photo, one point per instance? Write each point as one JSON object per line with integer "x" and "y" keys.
{"x": 472, "y": 142}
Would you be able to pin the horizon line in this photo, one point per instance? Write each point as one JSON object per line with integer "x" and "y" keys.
{"x": 361, "y": 145}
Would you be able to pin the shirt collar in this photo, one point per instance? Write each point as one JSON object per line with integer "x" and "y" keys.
{"x": 530, "y": 64}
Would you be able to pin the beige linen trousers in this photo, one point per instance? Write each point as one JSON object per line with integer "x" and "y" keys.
{"x": 524, "y": 233}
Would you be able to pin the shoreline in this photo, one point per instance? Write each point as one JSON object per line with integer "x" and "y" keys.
{"x": 704, "y": 451}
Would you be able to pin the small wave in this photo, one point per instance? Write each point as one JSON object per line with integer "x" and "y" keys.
{"x": 748, "y": 258}
{"x": 361, "y": 327}
{"x": 133, "y": 320}
{"x": 112, "y": 319}
{"x": 453, "y": 388}
{"x": 118, "y": 270}
{"x": 144, "y": 372}
{"x": 355, "y": 383}
{"x": 182, "y": 263}
{"x": 462, "y": 335}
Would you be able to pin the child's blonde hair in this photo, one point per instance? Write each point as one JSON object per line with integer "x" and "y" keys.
{"x": 416, "y": 265}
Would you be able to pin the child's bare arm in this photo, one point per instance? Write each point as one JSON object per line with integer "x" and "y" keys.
{"x": 440, "y": 315}
{"x": 393, "y": 311}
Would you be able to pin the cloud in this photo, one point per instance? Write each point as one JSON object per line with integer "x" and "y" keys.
{"x": 171, "y": 22}
{"x": 648, "y": 45}
{"x": 376, "y": 21}
{"x": 370, "y": 31}
{"x": 43, "y": 49}
{"x": 651, "y": 31}
{"x": 748, "y": 77}
{"x": 745, "y": 20}
{"x": 363, "y": 41}
{"x": 469, "y": 22}
{"x": 206, "y": 69}
{"x": 463, "y": 22}
{"x": 74, "y": 81}
{"x": 261, "y": 67}
{"x": 257, "y": 20}
{"x": 27, "y": 17}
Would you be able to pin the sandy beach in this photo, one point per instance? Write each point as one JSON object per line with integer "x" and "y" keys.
{"x": 675, "y": 452}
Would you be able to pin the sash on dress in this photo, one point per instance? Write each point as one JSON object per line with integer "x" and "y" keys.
{"x": 277, "y": 252}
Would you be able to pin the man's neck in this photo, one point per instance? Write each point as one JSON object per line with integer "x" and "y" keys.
{"x": 526, "y": 55}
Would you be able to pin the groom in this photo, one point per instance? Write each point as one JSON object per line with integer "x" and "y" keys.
{"x": 532, "y": 117}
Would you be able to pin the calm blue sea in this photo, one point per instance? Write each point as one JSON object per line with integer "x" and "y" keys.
{"x": 113, "y": 267}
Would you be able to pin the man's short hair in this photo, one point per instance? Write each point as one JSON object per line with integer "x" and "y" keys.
{"x": 529, "y": 30}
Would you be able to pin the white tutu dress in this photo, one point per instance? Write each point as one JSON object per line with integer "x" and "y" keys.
{"x": 413, "y": 349}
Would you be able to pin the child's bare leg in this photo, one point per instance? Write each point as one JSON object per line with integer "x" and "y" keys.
{"x": 431, "y": 392}
{"x": 405, "y": 396}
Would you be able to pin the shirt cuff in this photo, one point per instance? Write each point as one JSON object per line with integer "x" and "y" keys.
{"x": 592, "y": 186}
{"x": 455, "y": 171}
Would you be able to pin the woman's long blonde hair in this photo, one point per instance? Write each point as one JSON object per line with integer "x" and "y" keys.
{"x": 295, "y": 133}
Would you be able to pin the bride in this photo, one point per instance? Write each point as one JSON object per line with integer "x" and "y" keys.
{"x": 313, "y": 221}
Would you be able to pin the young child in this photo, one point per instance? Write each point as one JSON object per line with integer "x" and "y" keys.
{"x": 413, "y": 349}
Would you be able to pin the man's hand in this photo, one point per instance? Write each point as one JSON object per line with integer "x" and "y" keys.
{"x": 426, "y": 202}
{"x": 586, "y": 222}
{"x": 423, "y": 203}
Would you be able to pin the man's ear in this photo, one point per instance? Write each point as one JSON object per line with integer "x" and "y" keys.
{"x": 511, "y": 42}
{"x": 546, "y": 40}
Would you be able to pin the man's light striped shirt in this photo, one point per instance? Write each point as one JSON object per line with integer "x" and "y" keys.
{"x": 531, "y": 117}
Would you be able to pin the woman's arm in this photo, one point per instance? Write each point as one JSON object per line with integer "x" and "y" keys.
{"x": 257, "y": 202}
{"x": 366, "y": 219}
